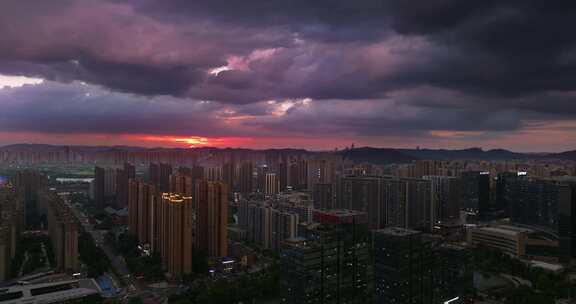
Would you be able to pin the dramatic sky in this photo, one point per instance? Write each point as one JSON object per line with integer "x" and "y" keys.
{"x": 315, "y": 74}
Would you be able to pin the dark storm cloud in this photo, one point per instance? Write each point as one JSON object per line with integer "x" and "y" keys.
{"x": 77, "y": 108}
{"x": 489, "y": 48}
{"x": 321, "y": 20}
{"x": 371, "y": 67}
{"x": 109, "y": 44}
{"x": 85, "y": 109}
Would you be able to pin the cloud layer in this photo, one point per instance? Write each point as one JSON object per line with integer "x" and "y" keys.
{"x": 383, "y": 72}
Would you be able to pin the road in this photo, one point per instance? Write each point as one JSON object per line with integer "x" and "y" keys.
{"x": 134, "y": 287}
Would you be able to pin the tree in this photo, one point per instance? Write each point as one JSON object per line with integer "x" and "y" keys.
{"x": 135, "y": 300}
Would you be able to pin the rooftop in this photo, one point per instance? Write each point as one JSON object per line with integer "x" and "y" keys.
{"x": 56, "y": 292}
{"x": 505, "y": 229}
{"x": 397, "y": 231}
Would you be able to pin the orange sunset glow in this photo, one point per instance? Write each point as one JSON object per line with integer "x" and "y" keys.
{"x": 195, "y": 141}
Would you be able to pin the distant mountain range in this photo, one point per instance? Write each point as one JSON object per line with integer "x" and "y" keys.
{"x": 364, "y": 154}
{"x": 390, "y": 155}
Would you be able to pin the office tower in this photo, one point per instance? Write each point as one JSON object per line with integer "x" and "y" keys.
{"x": 271, "y": 184}
{"x": 548, "y": 205}
{"x": 446, "y": 194}
{"x": 323, "y": 196}
{"x": 177, "y": 233}
{"x": 476, "y": 193}
{"x": 181, "y": 184}
{"x": 332, "y": 265}
{"x": 504, "y": 195}
{"x": 403, "y": 267}
{"x": 122, "y": 177}
{"x": 159, "y": 175}
{"x": 211, "y": 205}
{"x": 63, "y": 232}
{"x": 246, "y": 176}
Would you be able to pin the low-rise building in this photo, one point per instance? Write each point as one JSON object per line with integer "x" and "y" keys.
{"x": 508, "y": 239}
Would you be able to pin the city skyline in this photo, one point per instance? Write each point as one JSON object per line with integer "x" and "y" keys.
{"x": 312, "y": 74}
{"x": 288, "y": 151}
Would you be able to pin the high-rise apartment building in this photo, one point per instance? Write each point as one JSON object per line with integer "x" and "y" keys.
{"x": 182, "y": 184}
{"x": 29, "y": 184}
{"x": 324, "y": 196}
{"x": 229, "y": 174}
{"x": 177, "y": 232}
{"x": 388, "y": 201}
{"x": 271, "y": 185}
{"x": 211, "y": 205}
{"x": 141, "y": 201}
{"x": 419, "y": 204}
{"x": 298, "y": 174}
{"x": 446, "y": 195}
{"x": 12, "y": 223}
{"x": 213, "y": 173}
{"x": 122, "y": 177}
{"x": 159, "y": 175}
{"x": 63, "y": 231}
{"x": 283, "y": 175}
{"x": 105, "y": 186}
{"x": 98, "y": 186}
{"x": 266, "y": 226}
{"x": 320, "y": 171}
{"x": 261, "y": 173}
{"x": 246, "y": 177}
